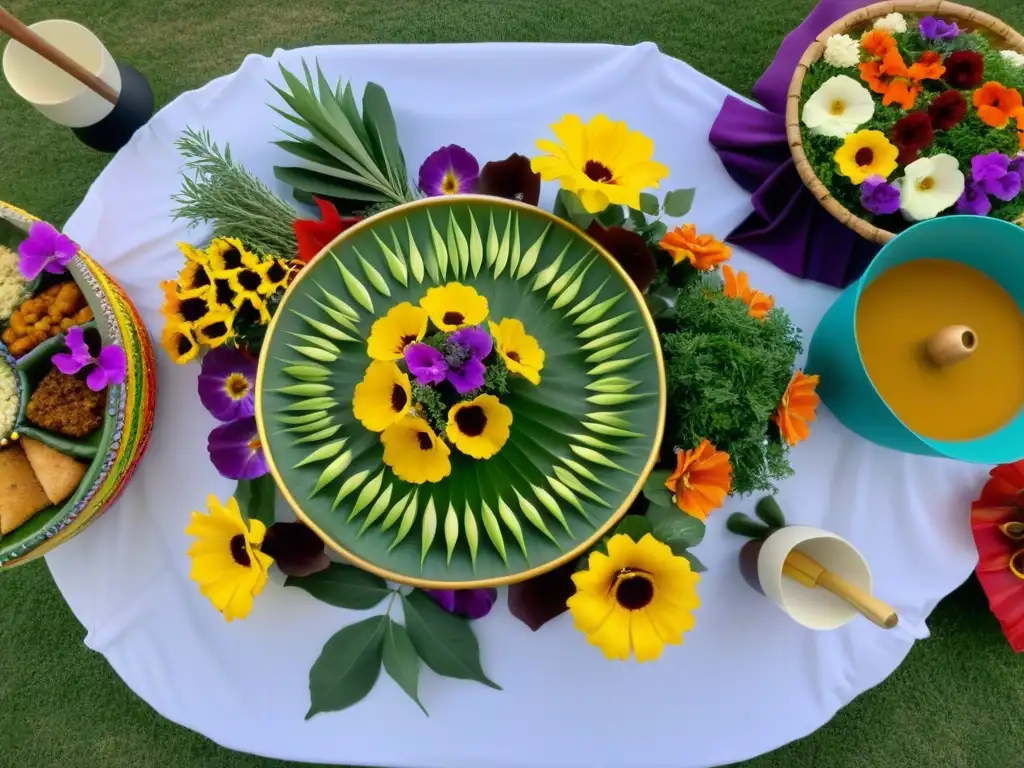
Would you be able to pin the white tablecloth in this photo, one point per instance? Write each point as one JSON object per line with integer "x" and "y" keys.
{"x": 747, "y": 679}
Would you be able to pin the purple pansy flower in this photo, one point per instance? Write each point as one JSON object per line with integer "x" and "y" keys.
{"x": 451, "y": 170}
{"x": 109, "y": 366}
{"x": 932, "y": 28}
{"x": 45, "y": 249}
{"x": 236, "y": 450}
{"x": 426, "y": 364}
{"x": 471, "y": 603}
{"x": 878, "y": 196}
{"x": 992, "y": 172}
{"x": 467, "y": 349}
{"x": 227, "y": 384}
{"x": 973, "y": 201}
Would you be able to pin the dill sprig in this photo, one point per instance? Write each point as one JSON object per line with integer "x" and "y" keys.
{"x": 234, "y": 201}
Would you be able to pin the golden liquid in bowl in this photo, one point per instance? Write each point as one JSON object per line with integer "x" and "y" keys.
{"x": 900, "y": 311}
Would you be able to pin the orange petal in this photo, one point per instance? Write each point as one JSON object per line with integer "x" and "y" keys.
{"x": 993, "y": 116}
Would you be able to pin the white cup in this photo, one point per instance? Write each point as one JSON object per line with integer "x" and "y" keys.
{"x": 815, "y": 608}
{"x": 52, "y": 91}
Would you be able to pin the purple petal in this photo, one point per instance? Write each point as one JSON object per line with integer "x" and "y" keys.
{"x": 67, "y": 364}
{"x": 453, "y": 160}
{"x": 31, "y": 265}
{"x": 475, "y": 603}
{"x": 443, "y": 597}
{"x": 113, "y": 362}
{"x": 1006, "y": 187}
{"x": 973, "y": 201}
{"x": 475, "y": 339}
{"x": 96, "y": 380}
{"x": 220, "y": 365}
{"x": 878, "y": 196}
{"x": 236, "y": 451}
{"x": 469, "y": 377}
{"x": 992, "y": 166}
{"x": 74, "y": 339}
{"x": 45, "y": 249}
{"x": 426, "y": 364}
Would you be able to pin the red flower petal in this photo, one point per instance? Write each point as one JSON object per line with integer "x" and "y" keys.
{"x": 313, "y": 235}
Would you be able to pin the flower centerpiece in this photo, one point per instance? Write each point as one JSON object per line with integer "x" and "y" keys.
{"x": 911, "y": 117}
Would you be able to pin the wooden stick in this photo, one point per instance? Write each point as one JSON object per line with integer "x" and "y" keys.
{"x": 22, "y": 34}
{"x": 811, "y": 573}
{"x": 951, "y": 344}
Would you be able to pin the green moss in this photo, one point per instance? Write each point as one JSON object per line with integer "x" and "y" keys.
{"x": 726, "y": 373}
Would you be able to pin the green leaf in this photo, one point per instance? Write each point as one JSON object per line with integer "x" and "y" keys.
{"x": 343, "y": 586}
{"x": 348, "y": 667}
{"x": 445, "y": 642}
{"x": 325, "y": 186}
{"x": 695, "y": 564}
{"x": 678, "y": 202}
{"x": 401, "y": 661}
{"x": 638, "y": 219}
{"x": 742, "y": 525}
{"x": 612, "y": 216}
{"x": 379, "y": 122}
{"x": 676, "y": 528}
{"x": 770, "y": 512}
{"x": 573, "y": 209}
{"x": 256, "y": 499}
{"x": 649, "y": 204}
{"x": 634, "y": 526}
{"x": 655, "y": 490}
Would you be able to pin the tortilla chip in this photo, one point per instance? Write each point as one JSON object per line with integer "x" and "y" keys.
{"x": 21, "y": 495}
{"x": 58, "y": 473}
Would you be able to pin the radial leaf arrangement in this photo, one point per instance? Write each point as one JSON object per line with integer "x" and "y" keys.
{"x": 579, "y": 442}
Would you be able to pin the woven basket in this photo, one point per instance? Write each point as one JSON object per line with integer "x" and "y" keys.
{"x": 130, "y": 409}
{"x": 966, "y": 18}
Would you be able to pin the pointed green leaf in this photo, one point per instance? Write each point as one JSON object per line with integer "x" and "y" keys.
{"x": 305, "y": 418}
{"x": 401, "y": 661}
{"x": 573, "y": 483}
{"x": 315, "y": 353}
{"x": 587, "y": 302}
{"x": 472, "y": 533}
{"x": 457, "y": 236}
{"x": 573, "y": 289}
{"x": 501, "y": 260}
{"x": 606, "y": 429}
{"x": 316, "y": 426}
{"x": 585, "y": 473}
{"x": 613, "y": 399}
{"x": 445, "y": 642}
{"x": 316, "y": 341}
{"x": 492, "y": 241}
{"x": 598, "y": 444}
{"x": 611, "y": 418}
{"x": 612, "y": 384}
{"x": 349, "y": 487}
{"x": 355, "y": 288}
{"x": 476, "y": 246}
{"x": 546, "y": 275}
{"x": 514, "y": 252}
{"x": 340, "y": 318}
{"x": 451, "y": 531}
{"x": 428, "y": 531}
{"x": 440, "y": 251}
{"x": 348, "y": 666}
{"x": 408, "y": 518}
{"x": 509, "y": 518}
{"x": 531, "y": 513}
{"x": 551, "y": 506}
{"x": 332, "y": 473}
{"x": 563, "y": 281}
{"x": 306, "y": 372}
{"x": 338, "y": 304}
{"x": 493, "y": 531}
{"x": 257, "y": 499}
{"x": 375, "y": 278}
{"x": 603, "y": 354}
{"x": 529, "y": 260}
{"x": 611, "y": 338}
{"x": 368, "y": 494}
{"x": 603, "y": 327}
{"x": 307, "y": 390}
{"x": 343, "y": 586}
{"x": 395, "y": 265}
{"x": 402, "y": 505}
{"x": 415, "y": 257}
{"x": 327, "y": 330}
{"x": 324, "y": 434}
{"x": 598, "y": 311}
{"x": 562, "y": 490}
{"x": 596, "y": 458}
{"x": 610, "y": 366}
{"x": 312, "y": 404}
{"x": 377, "y": 509}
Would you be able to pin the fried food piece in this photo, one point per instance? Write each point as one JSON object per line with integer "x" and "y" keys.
{"x": 57, "y": 473}
{"x": 44, "y": 316}
{"x": 66, "y": 406}
{"x": 21, "y": 495}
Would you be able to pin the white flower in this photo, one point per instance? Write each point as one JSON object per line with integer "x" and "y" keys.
{"x": 1013, "y": 58}
{"x": 842, "y": 51}
{"x": 838, "y": 107}
{"x": 894, "y": 23}
{"x": 929, "y": 186}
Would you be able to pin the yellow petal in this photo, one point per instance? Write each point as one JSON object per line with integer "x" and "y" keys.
{"x": 647, "y": 644}
{"x": 612, "y": 636}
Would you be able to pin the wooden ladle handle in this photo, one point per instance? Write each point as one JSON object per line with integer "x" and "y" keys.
{"x": 10, "y": 25}
{"x": 951, "y": 344}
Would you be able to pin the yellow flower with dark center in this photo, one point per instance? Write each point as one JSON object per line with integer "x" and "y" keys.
{"x": 520, "y": 351}
{"x": 383, "y": 397}
{"x": 246, "y": 283}
{"x": 193, "y": 309}
{"x": 180, "y": 342}
{"x": 864, "y": 154}
{"x": 214, "y": 329}
{"x": 414, "y": 451}
{"x": 194, "y": 254}
{"x": 639, "y": 597}
{"x": 194, "y": 279}
{"x": 226, "y": 559}
{"x": 479, "y": 427}
{"x": 274, "y": 274}
{"x": 251, "y": 310}
{"x": 222, "y": 295}
{"x": 172, "y": 301}
{"x": 602, "y": 162}
{"x": 227, "y": 254}
{"x": 403, "y": 325}
{"x": 454, "y": 305}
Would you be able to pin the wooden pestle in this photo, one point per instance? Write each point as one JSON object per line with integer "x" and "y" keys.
{"x": 811, "y": 573}
{"x": 951, "y": 344}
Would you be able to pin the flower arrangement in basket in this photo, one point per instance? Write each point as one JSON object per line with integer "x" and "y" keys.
{"x": 457, "y": 389}
{"x": 897, "y": 117}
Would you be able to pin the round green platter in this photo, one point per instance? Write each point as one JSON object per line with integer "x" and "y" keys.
{"x": 581, "y": 443}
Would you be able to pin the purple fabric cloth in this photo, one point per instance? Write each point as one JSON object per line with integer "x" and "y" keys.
{"x": 788, "y": 226}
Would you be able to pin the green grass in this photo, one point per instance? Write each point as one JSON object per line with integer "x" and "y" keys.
{"x": 956, "y": 701}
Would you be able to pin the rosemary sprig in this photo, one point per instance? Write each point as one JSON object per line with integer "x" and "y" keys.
{"x": 235, "y": 202}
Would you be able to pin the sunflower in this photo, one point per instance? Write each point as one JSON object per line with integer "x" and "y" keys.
{"x": 601, "y": 162}
{"x": 246, "y": 284}
{"x": 193, "y": 309}
{"x": 702, "y": 480}
{"x": 479, "y": 427}
{"x": 193, "y": 254}
{"x": 227, "y": 254}
{"x": 403, "y": 325}
{"x": 797, "y": 408}
{"x": 864, "y": 154}
{"x": 194, "y": 279}
{"x": 180, "y": 342}
{"x": 222, "y": 295}
{"x": 414, "y": 452}
{"x": 520, "y": 351}
{"x": 216, "y": 328}
{"x": 639, "y": 597}
{"x": 227, "y": 563}
{"x": 383, "y": 397}
{"x": 251, "y": 310}
{"x": 454, "y": 305}
{"x": 275, "y": 274}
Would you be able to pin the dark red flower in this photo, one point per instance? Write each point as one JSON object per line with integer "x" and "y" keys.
{"x": 511, "y": 178}
{"x": 947, "y": 110}
{"x": 313, "y": 235}
{"x": 912, "y": 134}
{"x": 295, "y": 548}
{"x": 630, "y": 250}
{"x": 964, "y": 69}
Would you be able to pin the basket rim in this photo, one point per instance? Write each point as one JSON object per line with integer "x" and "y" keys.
{"x": 961, "y": 13}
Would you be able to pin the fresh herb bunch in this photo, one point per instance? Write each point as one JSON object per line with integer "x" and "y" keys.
{"x": 726, "y": 373}
{"x": 232, "y": 200}
{"x": 358, "y": 160}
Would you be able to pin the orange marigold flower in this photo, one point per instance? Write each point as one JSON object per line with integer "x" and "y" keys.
{"x": 704, "y": 252}
{"x": 797, "y": 408}
{"x": 928, "y": 67}
{"x": 702, "y": 480}
{"x": 738, "y": 287}
{"x": 172, "y": 301}
{"x": 878, "y": 42}
{"x": 902, "y": 92}
{"x": 893, "y": 64}
{"x": 871, "y": 73}
{"x": 996, "y": 104}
